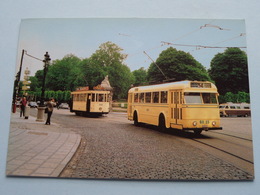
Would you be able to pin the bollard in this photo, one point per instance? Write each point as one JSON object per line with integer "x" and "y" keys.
{"x": 26, "y": 112}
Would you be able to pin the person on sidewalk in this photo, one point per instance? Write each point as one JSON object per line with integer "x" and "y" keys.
{"x": 50, "y": 105}
{"x": 23, "y": 105}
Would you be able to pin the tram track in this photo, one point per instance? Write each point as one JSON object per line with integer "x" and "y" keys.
{"x": 224, "y": 151}
{"x": 235, "y": 136}
{"x": 234, "y": 149}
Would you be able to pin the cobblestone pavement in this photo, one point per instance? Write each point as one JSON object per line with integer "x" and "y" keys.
{"x": 113, "y": 148}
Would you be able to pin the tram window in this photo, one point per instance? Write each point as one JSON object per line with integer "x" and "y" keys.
{"x": 93, "y": 97}
{"x": 141, "y": 98}
{"x": 155, "y": 97}
{"x": 148, "y": 97}
{"x": 192, "y": 98}
{"x": 101, "y": 97}
{"x": 82, "y": 97}
{"x": 77, "y": 97}
{"x": 209, "y": 98}
{"x": 136, "y": 98}
{"x": 164, "y": 97}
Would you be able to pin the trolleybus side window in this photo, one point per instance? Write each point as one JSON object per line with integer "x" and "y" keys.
{"x": 155, "y": 96}
{"x": 148, "y": 97}
{"x": 141, "y": 98}
{"x": 164, "y": 96}
{"x": 136, "y": 97}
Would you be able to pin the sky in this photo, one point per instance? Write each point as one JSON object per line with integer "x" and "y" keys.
{"x": 82, "y": 37}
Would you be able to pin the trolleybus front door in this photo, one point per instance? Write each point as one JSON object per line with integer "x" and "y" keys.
{"x": 176, "y": 109}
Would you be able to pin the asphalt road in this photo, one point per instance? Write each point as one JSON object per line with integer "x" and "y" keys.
{"x": 113, "y": 148}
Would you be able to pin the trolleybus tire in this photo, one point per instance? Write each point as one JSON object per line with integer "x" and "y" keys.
{"x": 197, "y": 132}
{"x": 162, "y": 127}
{"x": 136, "y": 123}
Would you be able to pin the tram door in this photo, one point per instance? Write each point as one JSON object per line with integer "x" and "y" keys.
{"x": 176, "y": 107}
{"x": 88, "y": 102}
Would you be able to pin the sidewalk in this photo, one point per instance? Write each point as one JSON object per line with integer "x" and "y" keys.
{"x": 39, "y": 150}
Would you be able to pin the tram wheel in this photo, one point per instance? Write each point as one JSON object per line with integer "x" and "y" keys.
{"x": 162, "y": 126}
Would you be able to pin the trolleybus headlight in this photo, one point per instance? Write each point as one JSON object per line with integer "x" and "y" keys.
{"x": 214, "y": 123}
{"x": 194, "y": 123}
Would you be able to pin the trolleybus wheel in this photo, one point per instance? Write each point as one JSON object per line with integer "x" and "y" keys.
{"x": 162, "y": 126}
{"x": 197, "y": 132}
{"x": 136, "y": 123}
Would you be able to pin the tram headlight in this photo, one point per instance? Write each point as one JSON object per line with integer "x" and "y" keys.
{"x": 214, "y": 123}
{"x": 194, "y": 123}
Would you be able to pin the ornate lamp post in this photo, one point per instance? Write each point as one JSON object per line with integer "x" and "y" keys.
{"x": 41, "y": 108}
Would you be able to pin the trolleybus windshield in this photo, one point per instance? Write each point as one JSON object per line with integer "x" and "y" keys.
{"x": 200, "y": 98}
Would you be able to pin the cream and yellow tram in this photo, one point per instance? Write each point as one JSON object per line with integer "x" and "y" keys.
{"x": 90, "y": 102}
{"x": 184, "y": 105}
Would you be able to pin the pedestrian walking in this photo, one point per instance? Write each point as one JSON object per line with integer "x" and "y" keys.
{"x": 23, "y": 105}
{"x": 49, "y": 107}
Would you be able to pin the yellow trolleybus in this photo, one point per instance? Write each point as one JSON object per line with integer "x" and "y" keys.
{"x": 90, "y": 102}
{"x": 184, "y": 105}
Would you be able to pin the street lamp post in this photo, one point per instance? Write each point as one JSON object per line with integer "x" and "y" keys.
{"x": 41, "y": 108}
{"x": 16, "y": 83}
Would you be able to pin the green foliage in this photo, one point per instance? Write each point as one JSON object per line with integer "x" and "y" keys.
{"x": 229, "y": 70}
{"x": 235, "y": 98}
{"x": 120, "y": 78}
{"x": 140, "y": 77}
{"x": 177, "y": 65}
{"x": 62, "y": 74}
{"x": 61, "y": 96}
{"x": 108, "y": 54}
{"x": 108, "y": 60}
{"x": 92, "y": 73}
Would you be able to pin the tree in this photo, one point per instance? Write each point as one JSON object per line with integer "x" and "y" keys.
{"x": 92, "y": 72}
{"x": 229, "y": 70}
{"x": 177, "y": 65}
{"x": 63, "y": 74}
{"x": 120, "y": 78}
{"x": 108, "y": 54}
{"x": 140, "y": 77}
{"x": 108, "y": 60}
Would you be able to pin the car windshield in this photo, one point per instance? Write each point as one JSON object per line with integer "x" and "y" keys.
{"x": 200, "y": 98}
